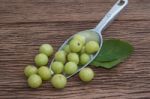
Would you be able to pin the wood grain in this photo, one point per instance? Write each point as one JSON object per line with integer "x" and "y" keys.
{"x": 26, "y": 24}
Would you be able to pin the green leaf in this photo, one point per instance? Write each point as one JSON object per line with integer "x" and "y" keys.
{"x": 107, "y": 65}
{"x": 112, "y": 53}
{"x": 113, "y": 49}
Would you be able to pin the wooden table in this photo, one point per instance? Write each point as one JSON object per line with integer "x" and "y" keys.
{"x": 26, "y": 24}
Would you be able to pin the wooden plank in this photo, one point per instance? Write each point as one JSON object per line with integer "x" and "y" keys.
{"x": 14, "y": 11}
{"x": 26, "y": 24}
{"x": 19, "y": 44}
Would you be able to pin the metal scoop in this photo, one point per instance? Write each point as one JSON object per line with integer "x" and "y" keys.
{"x": 95, "y": 34}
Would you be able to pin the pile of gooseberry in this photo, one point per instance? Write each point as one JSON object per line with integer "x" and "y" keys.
{"x": 75, "y": 54}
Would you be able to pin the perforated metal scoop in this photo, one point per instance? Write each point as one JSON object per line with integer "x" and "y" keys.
{"x": 95, "y": 34}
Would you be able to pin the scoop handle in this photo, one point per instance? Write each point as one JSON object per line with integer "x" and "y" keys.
{"x": 111, "y": 15}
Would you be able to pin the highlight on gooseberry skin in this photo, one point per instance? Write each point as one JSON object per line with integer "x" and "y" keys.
{"x": 41, "y": 59}
{"x": 44, "y": 73}
{"x": 73, "y": 57}
{"x": 46, "y": 49}
{"x": 51, "y": 71}
{"x": 29, "y": 70}
{"x": 70, "y": 68}
{"x": 60, "y": 56}
{"x": 91, "y": 47}
{"x": 57, "y": 67}
{"x": 34, "y": 81}
{"x": 86, "y": 74}
{"x": 80, "y": 38}
{"x": 59, "y": 81}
